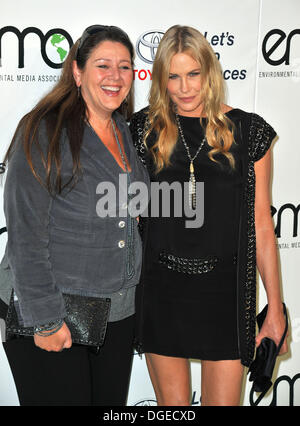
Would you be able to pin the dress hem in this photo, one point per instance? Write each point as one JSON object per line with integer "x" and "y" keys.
{"x": 207, "y": 357}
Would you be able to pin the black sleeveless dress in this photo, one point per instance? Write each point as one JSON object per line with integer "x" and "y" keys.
{"x": 189, "y": 303}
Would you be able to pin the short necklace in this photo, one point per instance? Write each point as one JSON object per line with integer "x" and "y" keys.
{"x": 192, "y": 181}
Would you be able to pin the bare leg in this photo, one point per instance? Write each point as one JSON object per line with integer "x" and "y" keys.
{"x": 221, "y": 382}
{"x": 170, "y": 378}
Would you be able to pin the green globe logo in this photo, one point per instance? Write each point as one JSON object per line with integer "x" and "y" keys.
{"x": 57, "y": 48}
{"x": 56, "y": 40}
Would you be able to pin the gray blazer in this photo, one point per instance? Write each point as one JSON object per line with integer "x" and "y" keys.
{"x": 60, "y": 244}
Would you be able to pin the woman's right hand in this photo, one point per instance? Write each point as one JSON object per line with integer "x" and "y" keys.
{"x": 56, "y": 342}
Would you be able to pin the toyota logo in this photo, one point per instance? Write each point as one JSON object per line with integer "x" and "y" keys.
{"x": 147, "y": 45}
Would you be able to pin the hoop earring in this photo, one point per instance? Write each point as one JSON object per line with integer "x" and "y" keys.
{"x": 78, "y": 92}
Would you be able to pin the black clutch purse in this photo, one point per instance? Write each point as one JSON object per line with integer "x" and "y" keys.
{"x": 86, "y": 319}
{"x": 261, "y": 369}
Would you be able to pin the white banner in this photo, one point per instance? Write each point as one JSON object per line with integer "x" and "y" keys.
{"x": 277, "y": 99}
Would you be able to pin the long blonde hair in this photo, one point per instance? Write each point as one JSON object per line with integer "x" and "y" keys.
{"x": 161, "y": 116}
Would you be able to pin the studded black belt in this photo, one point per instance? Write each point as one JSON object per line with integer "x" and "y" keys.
{"x": 191, "y": 265}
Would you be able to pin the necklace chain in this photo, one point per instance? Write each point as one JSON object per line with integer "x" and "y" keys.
{"x": 119, "y": 145}
{"x": 184, "y": 142}
{"x": 192, "y": 180}
{"x": 117, "y": 140}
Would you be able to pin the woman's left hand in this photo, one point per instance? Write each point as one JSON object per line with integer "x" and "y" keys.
{"x": 273, "y": 327}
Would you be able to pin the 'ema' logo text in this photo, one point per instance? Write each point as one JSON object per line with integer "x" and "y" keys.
{"x": 294, "y": 212}
{"x": 269, "y": 51}
{"x": 290, "y": 382}
{"x": 55, "y": 44}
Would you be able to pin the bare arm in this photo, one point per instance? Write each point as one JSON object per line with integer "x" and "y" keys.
{"x": 266, "y": 254}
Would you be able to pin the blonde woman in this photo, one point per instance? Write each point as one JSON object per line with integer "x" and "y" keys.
{"x": 197, "y": 295}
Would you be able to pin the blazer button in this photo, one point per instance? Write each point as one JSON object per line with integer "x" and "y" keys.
{"x": 121, "y": 243}
{"x": 122, "y": 224}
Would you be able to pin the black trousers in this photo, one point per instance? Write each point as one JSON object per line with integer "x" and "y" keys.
{"x": 75, "y": 376}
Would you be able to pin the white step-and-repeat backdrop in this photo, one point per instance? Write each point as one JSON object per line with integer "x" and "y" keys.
{"x": 258, "y": 45}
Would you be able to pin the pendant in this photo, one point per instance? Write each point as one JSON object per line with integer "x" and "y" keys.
{"x": 192, "y": 188}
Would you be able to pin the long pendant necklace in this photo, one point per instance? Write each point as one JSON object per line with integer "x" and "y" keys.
{"x": 116, "y": 139}
{"x": 192, "y": 181}
{"x": 119, "y": 146}
{"x": 131, "y": 219}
